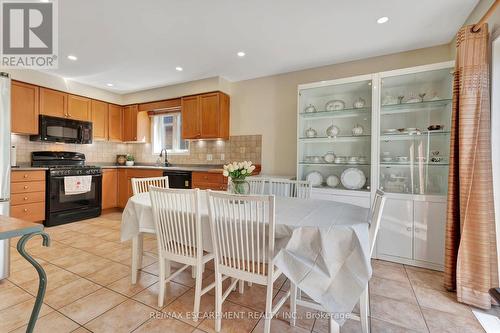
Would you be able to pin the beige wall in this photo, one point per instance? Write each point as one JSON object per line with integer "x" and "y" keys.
{"x": 268, "y": 105}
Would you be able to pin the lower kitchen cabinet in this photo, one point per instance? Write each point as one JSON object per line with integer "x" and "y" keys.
{"x": 125, "y": 182}
{"x": 109, "y": 188}
{"x": 412, "y": 231}
{"x": 209, "y": 181}
{"x": 28, "y": 195}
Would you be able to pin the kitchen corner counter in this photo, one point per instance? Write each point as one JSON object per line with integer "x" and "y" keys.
{"x": 27, "y": 167}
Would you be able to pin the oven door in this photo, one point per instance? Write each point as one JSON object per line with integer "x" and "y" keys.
{"x": 59, "y": 201}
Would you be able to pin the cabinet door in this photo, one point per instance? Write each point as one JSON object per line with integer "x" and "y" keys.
{"x": 25, "y": 108}
{"x": 100, "y": 120}
{"x": 191, "y": 117}
{"x": 430, "y": 225}
{"x": 115, "y": 120}
{"x": 396, "y": 229}
{"x": 53, "y": 103}
{"x": 143, "y": 127}
{"x": 109, "y": 188}
{"x": 123, "y": 188}
{"x": 209, "y": 115}
{"x": 130, "y": 123}
{"x": 79, "y": 108}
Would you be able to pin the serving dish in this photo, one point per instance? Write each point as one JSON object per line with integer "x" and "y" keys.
{"x": 335, "y": 105}
{"x": 310, "y": 108}
{"x": 353, "y": 178}
{"x": 315, "y": 178}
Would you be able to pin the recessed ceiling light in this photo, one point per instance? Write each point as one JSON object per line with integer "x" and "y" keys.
{"x": 109, "y": 84}
{"x": 382, "y": 20}
{"x": 179, "y": 69}
{"x": 44, "y": 0}
{"x": 241, "y": 54}
{"x": 72, "y": 57}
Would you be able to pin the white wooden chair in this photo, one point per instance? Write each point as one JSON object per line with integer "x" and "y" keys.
{"x": 141, "y": 185}
{"x": 290, "y": 188}
{"x": 176, "y": 213}
{"x": 243, "y": 236}
{"x": 364, "y": 300}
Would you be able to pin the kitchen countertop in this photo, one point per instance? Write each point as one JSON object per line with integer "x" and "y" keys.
{"x": 185, "y": 167}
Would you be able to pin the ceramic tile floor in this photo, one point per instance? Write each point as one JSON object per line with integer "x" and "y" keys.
{"x": 89, "y": 290}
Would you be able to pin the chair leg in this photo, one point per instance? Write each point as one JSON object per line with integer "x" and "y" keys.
{"x": 161, "y": 292}
{"x": 364, "y": 310}
{"x": 293, "y": 303}
{"x": 197, "y": 293}
{"x": 334, "y": 326}
{"x": 241, "y": 286}
{"x": 218, "y": 302}
{"x": 269, "y": 305}
{"x": 136, "y": 254}
{"x": 193, "y": 272}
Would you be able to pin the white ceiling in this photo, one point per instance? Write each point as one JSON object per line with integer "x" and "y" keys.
{"x": 136, "y": 44}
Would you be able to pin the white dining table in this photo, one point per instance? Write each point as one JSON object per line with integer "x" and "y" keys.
{"x": 322, "y": 246}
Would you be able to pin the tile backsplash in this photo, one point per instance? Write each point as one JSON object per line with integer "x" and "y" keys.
{"x": 237, "y": 148}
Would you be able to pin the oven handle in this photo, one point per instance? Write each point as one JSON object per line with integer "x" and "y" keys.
{"x": 62, "y": 177}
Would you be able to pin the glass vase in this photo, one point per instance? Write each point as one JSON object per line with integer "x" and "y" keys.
{"x": 239, "y": 186}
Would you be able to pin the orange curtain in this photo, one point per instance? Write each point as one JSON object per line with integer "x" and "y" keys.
{"x": 470, "y": 258}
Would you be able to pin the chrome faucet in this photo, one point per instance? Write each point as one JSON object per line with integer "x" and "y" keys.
{"x": 165, "y": 160}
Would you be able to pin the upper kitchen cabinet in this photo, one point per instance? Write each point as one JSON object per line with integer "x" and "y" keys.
{"x": 136, "y": 125}
{"x": 100, "y": 120}
{"x": 115, "y": 122}
{"x": 25, "y": 108}
{"x": 79, "y": 108}
{"x": 53, "y": 103}
{"x": 205, "y": 116}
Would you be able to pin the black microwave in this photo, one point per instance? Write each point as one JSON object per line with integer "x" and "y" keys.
{"x": 54, "y": 129}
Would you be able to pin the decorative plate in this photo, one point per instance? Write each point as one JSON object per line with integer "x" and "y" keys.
{"x": 315, "y": 178}
{"x": 333, "y": 181}
{"x": 353, "y": 178}
{"x": 310, "y": 108}
{"x": 335, "y": 105}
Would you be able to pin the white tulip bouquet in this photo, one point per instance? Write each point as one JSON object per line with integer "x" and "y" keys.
{"x": 238, "y": 170}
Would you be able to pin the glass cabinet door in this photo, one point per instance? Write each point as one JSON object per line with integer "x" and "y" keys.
{"x": 334, "y": 135}
{"x": 415, "y": 120}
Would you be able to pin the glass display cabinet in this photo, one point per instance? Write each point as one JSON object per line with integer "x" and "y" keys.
{"x": 335, "y": 135}
{"x": 415, "y": 120}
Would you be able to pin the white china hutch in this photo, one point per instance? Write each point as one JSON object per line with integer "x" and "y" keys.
{"x": 388, "y": 130}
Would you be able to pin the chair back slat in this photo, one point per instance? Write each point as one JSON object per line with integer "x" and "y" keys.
{"x": 290, "y": 188}
{"x": 177, "y": 220}
{"x": 141, "y": 185}
{"x": 243, "y": 231}
{"x": 376, "y": 217}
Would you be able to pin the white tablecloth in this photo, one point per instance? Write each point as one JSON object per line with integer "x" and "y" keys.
{"x": 322, "y": 246}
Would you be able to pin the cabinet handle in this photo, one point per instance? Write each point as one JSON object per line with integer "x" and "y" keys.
{"x": 25, "y": 210}
{"x": 25, "y": 198}
{"x": 69, "y": 115}
{"x": 25, "y": 187}
{"x": 25, "y": 176}
{"x": 408, "y": 229}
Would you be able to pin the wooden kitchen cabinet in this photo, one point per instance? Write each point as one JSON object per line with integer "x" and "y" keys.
{"x": 79, "y": 108}
{"x": 53, "y": 103}
{"x": 205, "y": 116}
{"x": 115, "y": 122}
{"x": 109, "y": 188}
{"x": 125, "y": 182}
{"x": 209, "y": 180}
{"x": 25, "y": 108}
{"x": 28, "y": 195}
{"x": 136, "y": 125}
{"x": 100, "y": 120}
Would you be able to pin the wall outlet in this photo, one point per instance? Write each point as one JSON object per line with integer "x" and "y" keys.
{"x": 209, "y": 157}
{"x": 222, "y": 157}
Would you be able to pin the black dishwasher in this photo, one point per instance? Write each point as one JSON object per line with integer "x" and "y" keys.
{"x": 178, "y": 178}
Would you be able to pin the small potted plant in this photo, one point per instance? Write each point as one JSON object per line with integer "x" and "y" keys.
{"x": 237, "y": 172}
{"x": 130, "y": 160}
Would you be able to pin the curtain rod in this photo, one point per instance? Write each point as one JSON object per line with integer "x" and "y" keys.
{"x": 486, "y": 16}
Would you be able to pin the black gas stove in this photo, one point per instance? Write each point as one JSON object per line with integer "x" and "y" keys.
{"x": 60, "y": 207}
